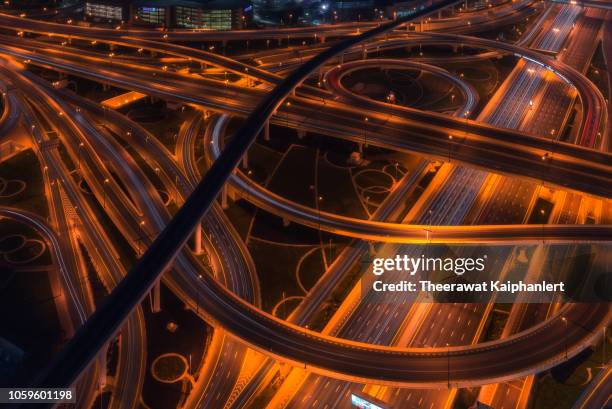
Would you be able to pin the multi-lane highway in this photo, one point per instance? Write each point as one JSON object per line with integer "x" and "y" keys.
{"x": 66, "y": 193}
{"x": 507, "y": 151}
{"x": 461, "y": 323}
{"x": 229, "y": 298}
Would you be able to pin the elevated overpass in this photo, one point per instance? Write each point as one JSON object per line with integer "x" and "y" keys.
{"x": 538, "y": 349}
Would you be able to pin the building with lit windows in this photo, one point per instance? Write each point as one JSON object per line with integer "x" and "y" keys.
{"x": 193, "y": 14}
{"x": 110, "y": 11}
{"x": 212, "y": 15}
{"x": 151, "y": 15}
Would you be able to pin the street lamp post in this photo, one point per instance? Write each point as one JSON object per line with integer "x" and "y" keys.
{"x": 140, "y": 235}
{"x": 428, "y": 230}
{"x": 106, "y": 181}
{"x": 79, "y": 156}
{"x": 198, "y": 297}
{"x": 365, "y": 133}
{"x": 448, "y": 364}
{"x": 565, "y": 335}
{"x": 320, "y": 199}
{"x": 578, "y": 325}
{"x": 283, "y": 295}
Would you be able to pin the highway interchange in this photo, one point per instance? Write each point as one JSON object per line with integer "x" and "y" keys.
{"x": 349, "y": 349}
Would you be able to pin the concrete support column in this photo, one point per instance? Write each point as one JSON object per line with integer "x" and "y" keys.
{"x": 155, "y": 297}
{"x": 197, "y": 240}
{"x": 224, "y": 197}
{"x": 360, "y": 147}
{"x": 267, "y": 131}
{"x": 322, "y": 39}
{"x": 102, "y": 375}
